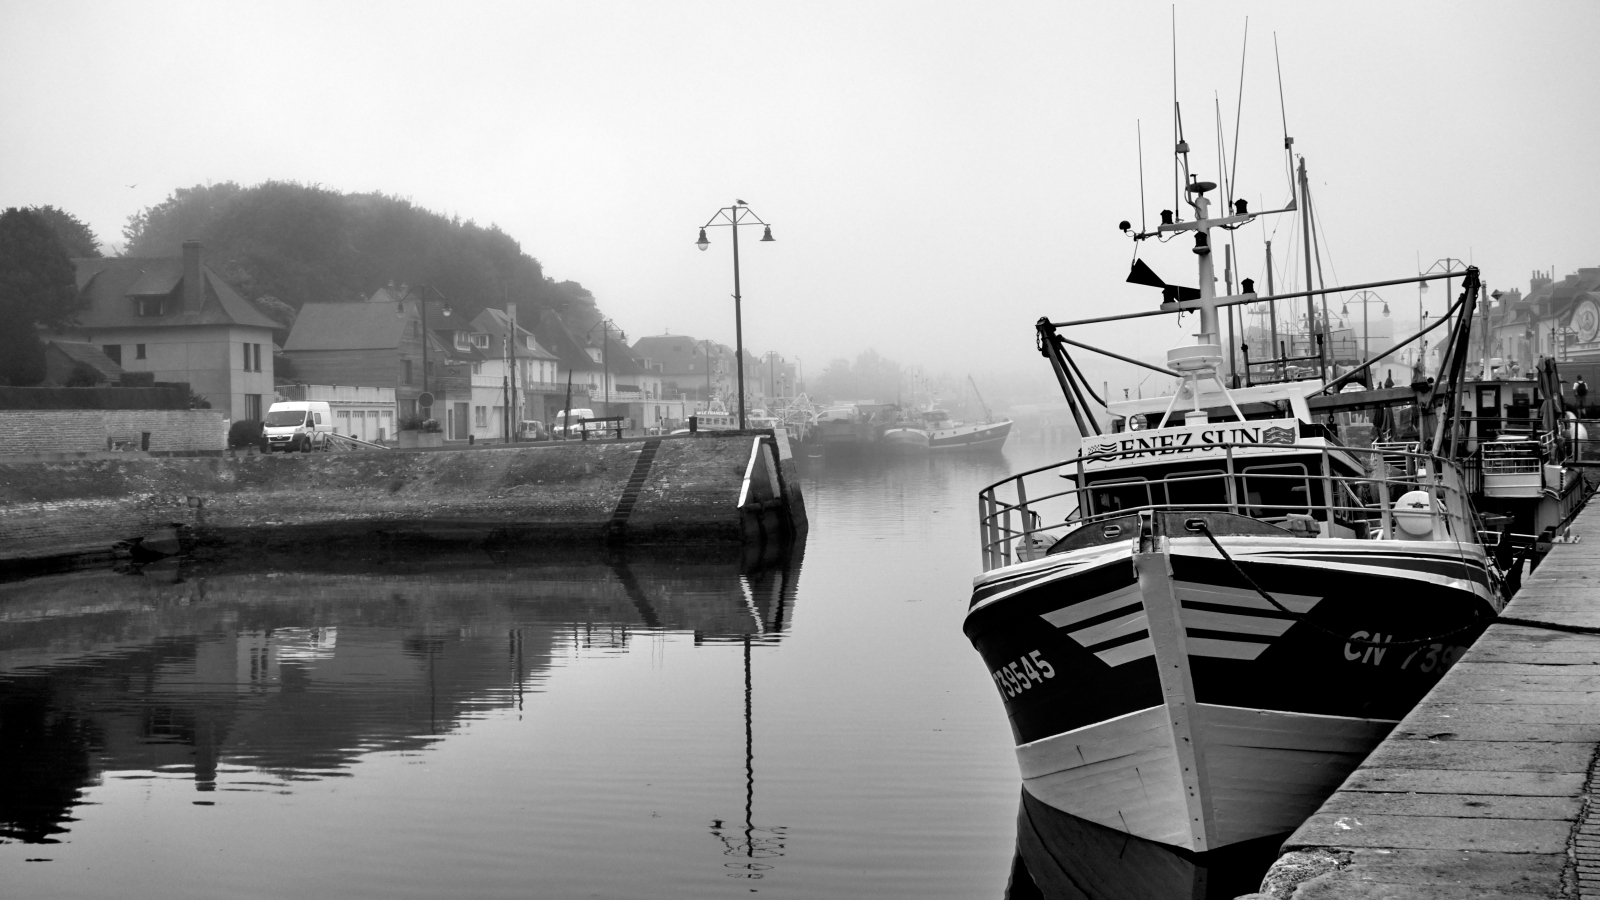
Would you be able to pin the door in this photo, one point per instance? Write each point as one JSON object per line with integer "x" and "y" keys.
{"x": 461, "y": 422}
{"x": 1488, "y": 412}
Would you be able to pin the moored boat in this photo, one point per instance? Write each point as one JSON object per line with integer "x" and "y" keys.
{"x": 1203, "y": 621}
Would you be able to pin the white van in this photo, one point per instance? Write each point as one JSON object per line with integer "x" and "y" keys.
{"x": 302, "y": 425}
{"x": 558, "y": 426}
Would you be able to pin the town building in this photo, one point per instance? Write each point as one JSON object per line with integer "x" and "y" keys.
{"x": 176, "y": 319}
{"x": 688, "y": 369}
{"x": 379, "y": 342}
{"x": 537, "y": 392}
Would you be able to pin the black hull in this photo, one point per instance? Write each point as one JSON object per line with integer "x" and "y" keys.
{"x": 1251, "y": 675}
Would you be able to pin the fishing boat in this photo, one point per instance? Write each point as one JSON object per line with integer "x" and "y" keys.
{"x": 1206, "y": 618}
{"x": 946, "y": 434}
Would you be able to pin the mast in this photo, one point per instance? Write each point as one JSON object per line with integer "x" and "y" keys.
{"x": 1272, "y": 313}
{"x": 1311, "y": 300}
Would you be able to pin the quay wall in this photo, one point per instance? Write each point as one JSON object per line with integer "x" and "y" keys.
{"x": 91, "y": 430}
{"x": 1488, "y": 788}
{"x": 560, "y": 491}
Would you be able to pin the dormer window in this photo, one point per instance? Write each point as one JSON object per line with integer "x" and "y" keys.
{"x": 529, "y": 340}
{"x": 461, "y": 340}
{"x": 480, "y": 340}
{"x": 594, "y": 353}
{"x": 149, "y": 306}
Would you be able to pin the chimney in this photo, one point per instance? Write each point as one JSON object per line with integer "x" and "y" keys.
{"x": 194, "y": 291}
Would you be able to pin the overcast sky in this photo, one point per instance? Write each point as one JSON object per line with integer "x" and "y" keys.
{"x": 938, "y": 175}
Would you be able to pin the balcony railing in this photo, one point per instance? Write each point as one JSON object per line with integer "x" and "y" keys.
{"x": 530, "y": 387}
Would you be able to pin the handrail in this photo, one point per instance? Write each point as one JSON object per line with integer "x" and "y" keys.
{"x": 1347, "y": 492}
{"x": 344, "y": 439}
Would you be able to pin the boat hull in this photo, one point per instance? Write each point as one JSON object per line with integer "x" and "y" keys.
{"x": 1183, "y": 708}
{"x": 905, "y": 440}
{"x": 989, "y": 436}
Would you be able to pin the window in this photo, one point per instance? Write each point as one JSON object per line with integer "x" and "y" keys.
{"x": 480, "y": 340}
{"x": 529, "y": 340}
{"x": 1118, "y": 495}
{"x": 252, "y": 406}
{"x": 113, "y": 352}
{"x": 316, "y": 418}
{"x": 1203, "y": 488}
{"x": 138, "y": 351}
{"x": 407, "y": 364}
{"x": 150, "y": 306}
{"x": 246, "y": 365}
{"x": 461, "y": 340}
{"x": 1276, "y": 491}
{"x": 481, "y": 417}
{"x": 477, "y": 368}
{"x": 258, "y": 356}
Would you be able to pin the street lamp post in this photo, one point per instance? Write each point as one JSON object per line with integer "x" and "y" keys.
{"x": 1446, "y": 265}
{"x": 422, "y": 305}
{"x": 605, "y": 368}
{"x": 1365, "y": 297}
{"x": 732, "y": 217}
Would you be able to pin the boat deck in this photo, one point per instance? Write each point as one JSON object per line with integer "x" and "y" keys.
{"x": 1489, "y": 787}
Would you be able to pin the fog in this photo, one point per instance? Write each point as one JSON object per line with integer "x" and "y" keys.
{"x": 937, "y": 175}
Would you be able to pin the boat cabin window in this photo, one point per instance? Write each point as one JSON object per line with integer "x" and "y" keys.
{"x": 1119, "y": 494}
{"x": 1198, "y": 488}
{"x": 1273, "y": 492}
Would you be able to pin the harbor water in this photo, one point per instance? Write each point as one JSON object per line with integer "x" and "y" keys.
{"x": 401, "y": 723}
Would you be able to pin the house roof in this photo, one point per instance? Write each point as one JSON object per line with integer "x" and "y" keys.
{"x": 90, "y": 356}
{"x": 496, "y": 324}
{"x": 678, "y": 354}
{"x": 108, "y": 287}
{"x": 553, "y": 335}
{"x": 347, "y": 326}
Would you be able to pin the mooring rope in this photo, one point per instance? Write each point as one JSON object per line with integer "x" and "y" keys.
{"x": 1205, "y": 529}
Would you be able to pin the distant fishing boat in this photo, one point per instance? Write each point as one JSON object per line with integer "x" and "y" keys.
{"x": 946, "y": 434}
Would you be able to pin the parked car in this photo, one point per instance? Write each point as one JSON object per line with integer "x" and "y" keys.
{"x": 532, "y": 430}
{"x": 297, "y": 425}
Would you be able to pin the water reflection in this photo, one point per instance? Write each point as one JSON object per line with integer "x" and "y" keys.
{"x": 276, "y": 670}
{"x": 748, "y": 842}
{"x": 1063, "y": 857}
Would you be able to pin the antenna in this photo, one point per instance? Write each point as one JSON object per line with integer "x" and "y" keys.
{"x": 1177, "y": 117}
{"x": 1139, "y": 130}
{"x": 1288, "y": 142}
{"x": 1239, "y": 110}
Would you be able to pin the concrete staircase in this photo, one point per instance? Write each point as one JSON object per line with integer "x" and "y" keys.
{"x": 630, "y": 492}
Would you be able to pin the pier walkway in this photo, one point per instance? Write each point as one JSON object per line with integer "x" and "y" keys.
{"x": 1489, "y": 788}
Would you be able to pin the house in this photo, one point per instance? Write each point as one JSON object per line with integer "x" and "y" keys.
{"x": 379, "y": 343}
{"x": 687, "y": 368}
{"x": 78, "y": 365}
{"x": 174, "y": 318}
{"x": 539, "y": 387}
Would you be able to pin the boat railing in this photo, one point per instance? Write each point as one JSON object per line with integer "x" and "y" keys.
{"x": 1307, "y": 490}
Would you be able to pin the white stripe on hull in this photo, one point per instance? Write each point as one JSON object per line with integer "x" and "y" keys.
{"x": 1121, "y": 773}
{"x": 1269, "y": 770}
{"x": 1266, "y": 770}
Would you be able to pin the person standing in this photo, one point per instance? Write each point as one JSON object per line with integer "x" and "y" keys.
{"x": 1582, "y": 392}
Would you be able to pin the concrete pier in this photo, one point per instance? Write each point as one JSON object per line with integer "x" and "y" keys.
{"x": 730, "y": 487}
{"x": 1488, "y": 789}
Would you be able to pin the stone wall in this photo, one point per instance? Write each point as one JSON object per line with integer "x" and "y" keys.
{"x": 505, "y": 495}
{"x": 91, "y": 430}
